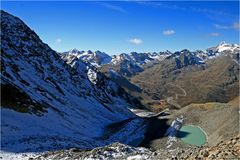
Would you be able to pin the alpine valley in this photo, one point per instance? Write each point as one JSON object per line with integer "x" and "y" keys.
{"x": 90, "y": 105}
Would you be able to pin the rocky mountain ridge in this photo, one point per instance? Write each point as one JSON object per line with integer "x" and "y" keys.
{"x": 49, "y": 104}
{"x": 133, "y": 63}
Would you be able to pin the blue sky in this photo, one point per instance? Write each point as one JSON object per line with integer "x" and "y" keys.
{"x": 116, "y": 27}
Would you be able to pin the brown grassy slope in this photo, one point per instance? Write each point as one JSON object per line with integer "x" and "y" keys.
{"x": 216, "y": 81}
{"x": 133, "y": 89}
{"x": 220, "y": 121}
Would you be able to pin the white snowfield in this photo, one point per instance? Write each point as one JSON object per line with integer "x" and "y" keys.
{"x": 25, "y": 139}
{"x": 92, "y": 76}
{"x": 17, "y": 156}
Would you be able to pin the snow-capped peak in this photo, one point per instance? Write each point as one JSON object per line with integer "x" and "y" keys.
{"x": 74, "y": 51}
{"x": 96, "y": 58}
{"x": 222, "y": 43}
{"x": 226, "y": 47}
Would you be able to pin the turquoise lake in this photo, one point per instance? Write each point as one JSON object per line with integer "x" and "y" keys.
{"x": 192, "y": 135}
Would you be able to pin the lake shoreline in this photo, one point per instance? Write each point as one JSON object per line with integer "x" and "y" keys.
{"x": 202, "y": 133}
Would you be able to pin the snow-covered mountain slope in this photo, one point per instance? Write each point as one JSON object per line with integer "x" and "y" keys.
{"x": 139, "y": 58}
{"x": 96, "y": 58}
{"x": 133, "y": 63}
{"x": 223, "y": 48}
{"x": 49, "y": 104}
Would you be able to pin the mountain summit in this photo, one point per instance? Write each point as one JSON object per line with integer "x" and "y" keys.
{"x": 96, "y": 58}
{"x": 224, "y": 48}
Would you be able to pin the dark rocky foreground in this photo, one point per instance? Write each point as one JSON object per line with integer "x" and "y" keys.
{"x": 229, "y": 149}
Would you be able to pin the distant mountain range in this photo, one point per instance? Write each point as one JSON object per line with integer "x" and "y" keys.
{"x": 133, "y": 63}
{"x": 145, "y": 75}
{"x": 148, "y": 75}
{"x": 152, "y": 76}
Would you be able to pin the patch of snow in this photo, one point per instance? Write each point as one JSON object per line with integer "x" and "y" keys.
{"x": 92, "y": 76}
{"x": 137, "y": 157}
{"x": 173, "y": 130}
{"x": 18, "y": 156}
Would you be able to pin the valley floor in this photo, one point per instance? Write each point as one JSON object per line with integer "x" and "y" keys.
{"x": 212, "y": 117}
